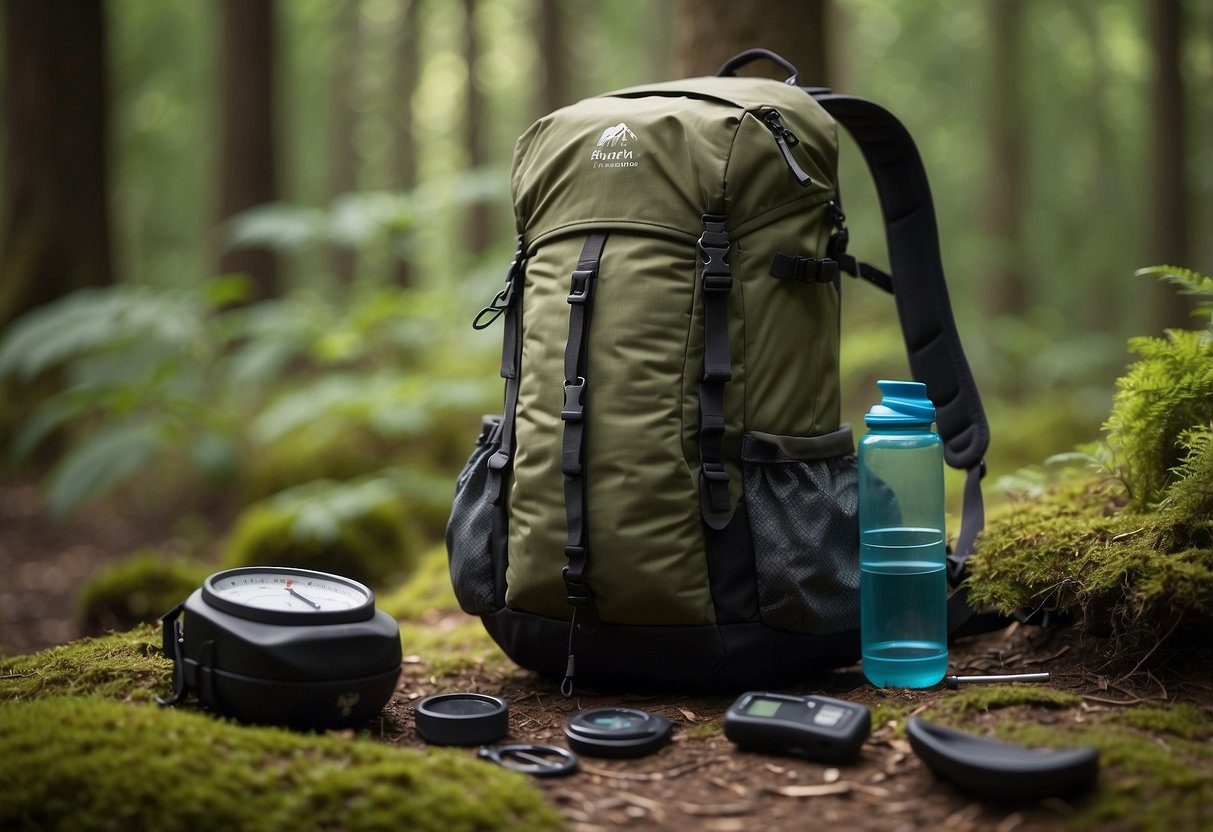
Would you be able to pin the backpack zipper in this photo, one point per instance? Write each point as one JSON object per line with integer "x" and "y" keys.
{"x": 785, "y": 139}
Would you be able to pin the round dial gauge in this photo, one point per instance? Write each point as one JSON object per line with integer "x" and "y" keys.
{"x": 284, "y": 595}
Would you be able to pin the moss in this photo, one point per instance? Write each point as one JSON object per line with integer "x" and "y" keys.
{"x": 137, "y": 589}
{"x": 1076, "y": 550}
{"x": 982, "y": 699}
{"x": 1144, "y": 783}
{"x": 122, "y": 666}
{"x": 454, "y": 646}
{"x": 1184, "y": 721}
{"x": 428, "y": 590}
{"x": 360, "y": 531}
{"x": 90, "y": 764}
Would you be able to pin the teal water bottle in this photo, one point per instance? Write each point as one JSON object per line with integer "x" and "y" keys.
{"x": 903, "y": 585}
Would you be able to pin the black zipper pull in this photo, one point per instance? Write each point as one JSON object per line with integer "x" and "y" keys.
{"x": 786, "y": 140}
{"x": 501, "y": 302}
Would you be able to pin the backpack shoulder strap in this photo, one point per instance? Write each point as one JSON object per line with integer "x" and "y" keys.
{"x": 936, "y": 356}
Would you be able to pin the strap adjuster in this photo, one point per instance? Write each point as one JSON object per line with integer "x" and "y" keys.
{"x": 499, "y": 461}
{"x": 574, "y": 401}
{"x": 717, "y": 283}
{"x": 714, "y": 471}
{"x": 581, "y": 285}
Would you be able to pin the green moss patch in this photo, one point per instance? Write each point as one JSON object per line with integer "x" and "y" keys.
{"x": 122, "y": 666}
{"x": 453, "y": 646}
{"x": 1073, "y": 549}
{"x": 137, "y": 589}
{"x": 92, "y": 764}
{"x": 983, "y": 699}
{"x": 427, "y": 591}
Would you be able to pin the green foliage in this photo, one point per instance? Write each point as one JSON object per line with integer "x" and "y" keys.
{"x": 1125, "y": 535}
{"x": 137, "y": 589}
{"x": 90, "y": 764}
{"x": 360, "y": 530}
{"x": 160, "y": 380}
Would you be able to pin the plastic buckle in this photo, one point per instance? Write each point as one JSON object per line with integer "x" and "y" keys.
{"x": 582, "y": 285}
{"x": 498, "y": 461}
{"x": 574, "y": 401}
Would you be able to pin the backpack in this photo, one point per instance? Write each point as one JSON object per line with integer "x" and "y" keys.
{"x": 668, "y": 498}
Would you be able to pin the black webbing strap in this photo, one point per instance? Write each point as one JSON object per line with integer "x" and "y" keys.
{"x": 936, "y": 356}
{"x": 804, "y": 269}
{"x": 573, "y": 414}
{"x": 509, "y": 300}
{"x": 716, "y": 280}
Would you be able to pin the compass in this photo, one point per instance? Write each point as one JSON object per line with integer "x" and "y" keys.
{"x": 286, "y": 646}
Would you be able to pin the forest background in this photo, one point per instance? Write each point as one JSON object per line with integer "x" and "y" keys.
{"x": 241, "y": 242}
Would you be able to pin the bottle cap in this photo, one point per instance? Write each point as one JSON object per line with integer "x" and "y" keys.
{"x": 903, "y": 403}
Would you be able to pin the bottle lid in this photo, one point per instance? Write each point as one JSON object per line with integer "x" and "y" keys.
{"x": 903, "y": 403}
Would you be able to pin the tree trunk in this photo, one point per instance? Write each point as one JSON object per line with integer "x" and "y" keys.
{"x": 553, "y": 57}
{"x": 1168, "y": 233}
{"x": 475, "y": 138}
{"x": 54, "y": 217}
{"x": 406, "y": 70}
{"x": 247, "y": 175}
{"x": 1008, "y": 291}
{"x": 345, "y": 157}
{"x": 709, "y": 32}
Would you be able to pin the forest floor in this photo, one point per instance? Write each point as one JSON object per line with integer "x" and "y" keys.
{"x": 700, "y": 780}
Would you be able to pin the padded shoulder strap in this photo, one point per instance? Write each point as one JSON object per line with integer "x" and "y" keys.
{"x": 936, "y": 356}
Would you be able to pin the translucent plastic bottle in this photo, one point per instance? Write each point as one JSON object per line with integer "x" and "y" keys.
{"x": 903, "y": 584}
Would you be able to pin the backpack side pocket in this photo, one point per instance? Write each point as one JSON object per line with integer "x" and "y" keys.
{"x": 469, "y": 530}
{"x": 802, "y": 499}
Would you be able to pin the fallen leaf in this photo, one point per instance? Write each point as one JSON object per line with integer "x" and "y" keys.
{"x": 689, "y": 714}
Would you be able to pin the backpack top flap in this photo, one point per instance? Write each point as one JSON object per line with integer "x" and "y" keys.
{"x": 663, "y": 155}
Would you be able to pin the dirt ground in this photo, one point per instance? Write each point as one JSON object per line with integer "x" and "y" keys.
{"x": 699, "y": 780}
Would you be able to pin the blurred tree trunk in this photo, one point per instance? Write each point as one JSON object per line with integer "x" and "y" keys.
{"x": 553, "y": 56}
{"x": 1168, "y": 232}
{"x": 1008, "y": 291}
{"x": 476, "y": 139}
{"x": 247, "y": 175}
{"x": 709, "y": 32}
{"x": 406, "y": 70}
{"x": 345, "y": 156}
{"x": 54, "y": 217}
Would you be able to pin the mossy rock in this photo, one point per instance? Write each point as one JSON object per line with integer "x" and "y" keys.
{"x": 137, "y": 589}
{"x": 129, "y": 666}
{"x": 93, "y": 764}
{"x": 362, "y": 532}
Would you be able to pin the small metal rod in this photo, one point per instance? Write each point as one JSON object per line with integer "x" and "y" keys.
{"x": 954, "y": 682}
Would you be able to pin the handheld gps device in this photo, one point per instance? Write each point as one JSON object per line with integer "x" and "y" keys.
{"x": 814, "y": 727}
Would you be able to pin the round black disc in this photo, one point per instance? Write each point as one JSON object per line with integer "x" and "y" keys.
{"x": 462, "y": 719}
{"x": 617, "y": 732}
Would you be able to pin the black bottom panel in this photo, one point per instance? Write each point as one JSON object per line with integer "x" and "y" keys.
{"x": 722, "y": 657}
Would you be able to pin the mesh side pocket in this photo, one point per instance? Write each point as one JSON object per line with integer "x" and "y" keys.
{"x": 470, "y": 527}
{"x": 802, "y": 498}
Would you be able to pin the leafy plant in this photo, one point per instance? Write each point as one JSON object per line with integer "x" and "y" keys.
{"x": 171, "y": 379}
{"x": 1126, "y": 538}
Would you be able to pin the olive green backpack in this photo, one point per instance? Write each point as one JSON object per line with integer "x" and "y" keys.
{"x": 668, "y": 494}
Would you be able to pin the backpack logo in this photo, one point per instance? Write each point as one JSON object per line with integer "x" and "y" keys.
{"x": 612, "y": 149}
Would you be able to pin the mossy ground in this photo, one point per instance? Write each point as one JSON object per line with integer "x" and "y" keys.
{"x": 86, "y": 763}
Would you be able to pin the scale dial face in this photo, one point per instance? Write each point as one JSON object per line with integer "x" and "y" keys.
{"x": 284, "y": 595}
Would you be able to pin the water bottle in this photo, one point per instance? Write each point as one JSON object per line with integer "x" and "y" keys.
{"x": 903, "y": 584}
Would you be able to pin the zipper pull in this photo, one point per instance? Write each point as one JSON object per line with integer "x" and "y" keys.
{"x": 501, "y": 301}
{"x": 786, "y": 140}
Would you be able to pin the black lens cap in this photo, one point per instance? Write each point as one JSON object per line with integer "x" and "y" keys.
{"x": 462, "y": 719}
{"x": 617, "y": 732}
